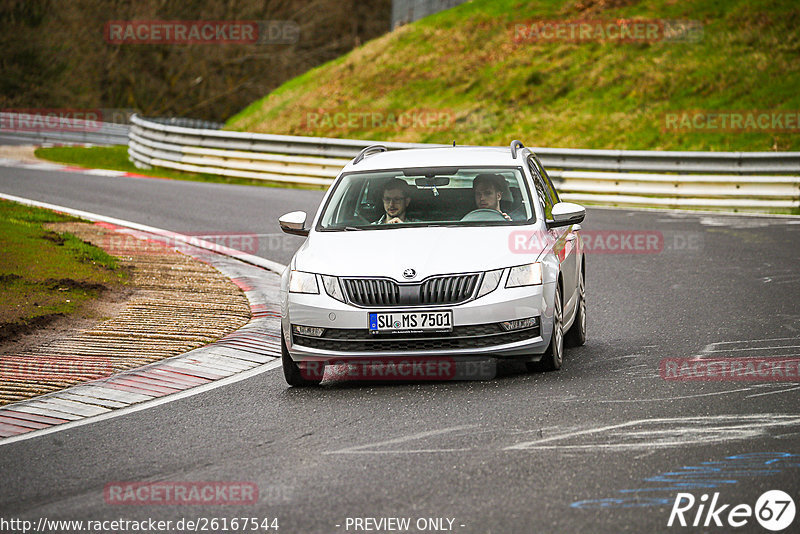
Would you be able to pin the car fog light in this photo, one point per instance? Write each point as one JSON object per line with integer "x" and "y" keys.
{"x": 308, "y": 330}
{"x": 519, "y": 324}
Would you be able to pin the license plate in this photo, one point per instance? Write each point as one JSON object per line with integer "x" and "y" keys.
{"x": 410, "y": 322}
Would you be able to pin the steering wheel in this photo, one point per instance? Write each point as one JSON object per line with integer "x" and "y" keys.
{"x": 483, "y": 214}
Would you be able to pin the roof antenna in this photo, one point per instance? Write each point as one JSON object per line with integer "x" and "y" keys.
{"x": 454, "y": 142}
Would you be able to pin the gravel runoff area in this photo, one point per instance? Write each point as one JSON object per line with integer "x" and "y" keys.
{"x": 20, "y": 153}
{"x": 174, "y": 304}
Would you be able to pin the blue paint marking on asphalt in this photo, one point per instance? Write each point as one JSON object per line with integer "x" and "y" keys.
{"x": 706, "y": 475}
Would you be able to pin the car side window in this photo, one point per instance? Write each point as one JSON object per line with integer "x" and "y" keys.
{"x": 541, "y": 190}
{"x": 348, "y": 210}
{"x": 548, "y": 183}
{"x": 366, "y": 207}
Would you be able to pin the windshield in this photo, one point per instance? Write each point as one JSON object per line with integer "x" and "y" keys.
{"x": 436, "y": 195}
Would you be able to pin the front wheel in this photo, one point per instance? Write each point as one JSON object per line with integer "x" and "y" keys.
{"x": 554, "y": 355}
{"x": 576, "y": 336}
{"x": 291, "y": 371}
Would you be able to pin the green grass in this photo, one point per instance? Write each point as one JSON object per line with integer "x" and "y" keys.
{"x": 464, "y": 63}
{"x": 116, "y": 158}
{"x": 45, "y": 274}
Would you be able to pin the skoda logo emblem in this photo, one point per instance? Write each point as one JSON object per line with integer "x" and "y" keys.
{"x": 409, "y": 273}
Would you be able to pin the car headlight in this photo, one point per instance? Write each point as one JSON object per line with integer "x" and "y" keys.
{"x": 302, "y": 282}
{"x": 490, "y": 281}
{"x": 332, "y": 287}
{"x": 525, "y": 275}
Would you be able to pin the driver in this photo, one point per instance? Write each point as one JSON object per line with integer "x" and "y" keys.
{"x": 488, "y": 192}
{"x": 396, "y": 198}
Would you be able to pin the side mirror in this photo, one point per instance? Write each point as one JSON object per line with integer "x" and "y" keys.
{"x": 565, "y": 214}
{"x": 294, "y": 223}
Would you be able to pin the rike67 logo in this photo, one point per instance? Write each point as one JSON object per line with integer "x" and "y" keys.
{"x": 774, "y": 510}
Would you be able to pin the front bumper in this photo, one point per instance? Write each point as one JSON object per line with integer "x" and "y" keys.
{"x": 476, "y": 331}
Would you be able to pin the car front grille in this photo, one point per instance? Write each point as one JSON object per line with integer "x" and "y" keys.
{"x": 438, "y": 290}
{"x": 372, "y": 291}
{"x": 448, "y": 289}
{"x": 462, "y": 337}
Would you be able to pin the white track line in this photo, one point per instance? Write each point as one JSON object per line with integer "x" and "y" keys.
{"x": 359, "y": 449}
{"x": 146, "y": 404}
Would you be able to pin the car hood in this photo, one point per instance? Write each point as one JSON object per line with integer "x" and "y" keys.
{"x": 429, "y": 251}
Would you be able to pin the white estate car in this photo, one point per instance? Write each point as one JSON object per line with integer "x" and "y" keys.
{"x": 455, "y": 275}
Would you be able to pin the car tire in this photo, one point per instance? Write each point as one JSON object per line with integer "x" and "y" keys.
{"x": 554, "y": 355}
{"x": 576, "y": 336}
{"x": 291, "y": 371}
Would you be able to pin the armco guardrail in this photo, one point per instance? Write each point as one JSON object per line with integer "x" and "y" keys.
{"x": 724, "y": 180}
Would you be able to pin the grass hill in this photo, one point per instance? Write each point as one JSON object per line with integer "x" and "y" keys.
{"x": 461, "y": 75}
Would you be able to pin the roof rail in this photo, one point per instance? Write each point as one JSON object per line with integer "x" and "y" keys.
{"x": 515, "y": 144}
{"x": 369, "y": 150}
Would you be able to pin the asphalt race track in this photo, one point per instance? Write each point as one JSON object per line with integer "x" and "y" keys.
{"x": 604, "y": 445}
